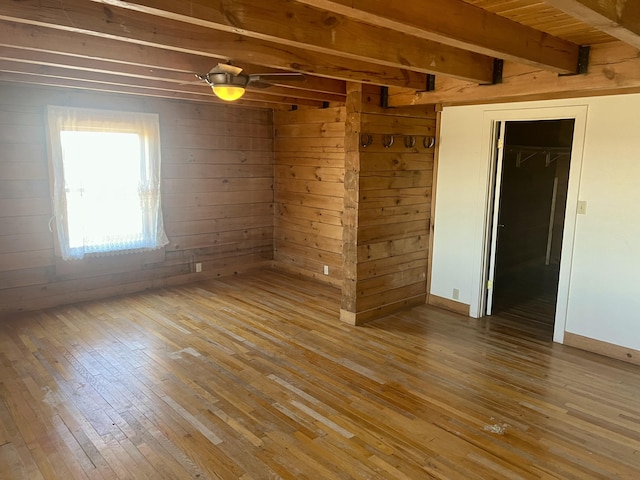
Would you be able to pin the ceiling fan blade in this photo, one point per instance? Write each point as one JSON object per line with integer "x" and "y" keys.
{"x": 260, "y": 84}
{"x": 226, "y": 68}
{"x": 277, "y": 77}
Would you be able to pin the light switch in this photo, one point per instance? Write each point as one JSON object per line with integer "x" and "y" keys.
{"x": 582, "y": 207}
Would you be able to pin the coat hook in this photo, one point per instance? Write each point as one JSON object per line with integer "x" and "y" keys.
{"x": 387, "y": 141}
{"x": 365, "y": 139}
{"x": 409, "y": 141}
{"x": 429, "y": 142}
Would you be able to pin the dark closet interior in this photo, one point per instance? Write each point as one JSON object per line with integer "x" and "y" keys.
{"x": 535, "y": 178}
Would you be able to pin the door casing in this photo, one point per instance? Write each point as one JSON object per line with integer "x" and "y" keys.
{"x": 491, "y": 119}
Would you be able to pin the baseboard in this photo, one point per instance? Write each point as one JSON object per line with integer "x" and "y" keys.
{"x": 347, "y": 317}
{"x": 447, "y": 304}
{"x": 56, "y": 294}
{"x": 360, "y": 318}
{"x": 610, "y": 350}
{"x": 332, "y": 280}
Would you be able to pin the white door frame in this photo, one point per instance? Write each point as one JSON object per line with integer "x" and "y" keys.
{"x": 493, "y": 211}
{"x": 516, "y": 113}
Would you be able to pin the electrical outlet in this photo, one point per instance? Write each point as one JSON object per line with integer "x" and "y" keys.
{"x": 456, "y": 294}
{"x": 582, "y": 207}
{"x": 325, "y": 270}
{"x": 198, "y": 267}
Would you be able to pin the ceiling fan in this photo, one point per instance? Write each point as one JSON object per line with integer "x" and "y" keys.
{"x": 229, "y": 83}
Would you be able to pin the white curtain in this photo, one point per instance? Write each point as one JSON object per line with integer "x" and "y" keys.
{"x": 106, "y": 168}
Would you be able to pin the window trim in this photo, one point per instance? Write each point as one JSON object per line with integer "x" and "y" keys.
{"x": 146, "y": 125}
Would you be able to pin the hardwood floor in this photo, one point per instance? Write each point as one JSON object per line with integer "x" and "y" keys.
{"x": 254, "y": 377}
{"x": 529, "y": 293}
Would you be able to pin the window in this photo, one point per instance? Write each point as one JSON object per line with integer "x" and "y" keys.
{"x": 106, "y": 181}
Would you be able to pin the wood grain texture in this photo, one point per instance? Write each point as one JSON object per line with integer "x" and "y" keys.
{"x": 115, "y": 54}
{"x": 320, "y": 31}
{"x": 620, "y": 19}
{"x": 153, "y": 47}
{"x": 458, "y": 24}
{"x": 254, "y": 377}
{"x": 217, "y": 181}
{"x": 614, "y": 68}
{"x": 603, "y": 348}
{"x": 127, "y": 25}
{"x": 542, "y": 16}
{"x": 448, "y": 304}
{"x": 387, "y": 206}
{"x": 394, "y": 206}
{"x": 353, "y": 124}
{"x": 309, "y": 191}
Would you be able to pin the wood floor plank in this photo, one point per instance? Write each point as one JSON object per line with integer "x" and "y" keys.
{"x": 255, "y": 377}
{"x": 11, "y": 465}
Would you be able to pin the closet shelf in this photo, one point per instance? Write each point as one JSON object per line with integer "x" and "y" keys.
{"x": 551, "y": 154}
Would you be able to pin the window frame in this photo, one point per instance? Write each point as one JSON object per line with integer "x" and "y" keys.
{"x": 145, "y": 125}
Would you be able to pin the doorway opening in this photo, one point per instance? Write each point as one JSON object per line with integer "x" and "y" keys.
{"x": 531, "y": 185}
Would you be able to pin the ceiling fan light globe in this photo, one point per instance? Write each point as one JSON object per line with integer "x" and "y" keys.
{"x": 228, "y": 93}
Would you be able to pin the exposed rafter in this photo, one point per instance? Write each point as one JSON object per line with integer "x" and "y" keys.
{"x": 103, "y": 71}
{"x": 614, "y": 69}
{"x": 295, "y": 25}
{"x": 126, "y": 55}
{"x": 44, "y": 81}
{"x": 58, "y": 75}
{"x": 459, "y": 24}
{"x": 154, "y": 47}
{"x": 128, "y": 25}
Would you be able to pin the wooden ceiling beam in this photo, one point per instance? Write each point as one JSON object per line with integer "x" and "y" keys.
{"x": 462, "y": 25}
{"x": 53, "y": 75}
{"x": 78, "y": 65}
{"x": 293, "y": 24}
{"x": 48, "y": 40}
{"x": 126, "y": 25}
{"x": 614, "y": 68}
{"x": 20, "y": 79}
{"x": 43, "y": 39}
{"x": 618, "y": 18}
{"x": 81, "y": 68}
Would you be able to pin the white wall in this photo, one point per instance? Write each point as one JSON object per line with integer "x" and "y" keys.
{"x": 601, "y": 261}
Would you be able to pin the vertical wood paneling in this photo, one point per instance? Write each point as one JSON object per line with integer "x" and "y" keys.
{"x": 217, "y": 174}
{"x": 309, "y": 191}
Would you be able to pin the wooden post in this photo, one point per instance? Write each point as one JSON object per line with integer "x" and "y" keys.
{"x": 351, "y": 196}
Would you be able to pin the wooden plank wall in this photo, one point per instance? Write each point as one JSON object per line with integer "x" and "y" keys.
{"x": 394, "y": 211}
{"x": 309, "y": 192}
{"x": 217, "y": 172}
